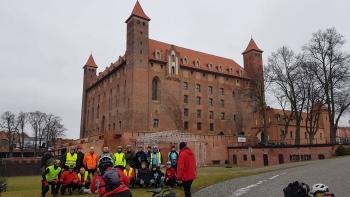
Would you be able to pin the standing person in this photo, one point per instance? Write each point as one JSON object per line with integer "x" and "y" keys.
{"x": 46, "y": 159}
{"x": 90, "y": 161}
{"x": 186, "y": 168}
{"x": 148, "y": 155}
{"x": 80, "y": 158}
{"x": 173, "y": 156}
{"x": 106, "y": 153}
{"x": 156, "y": 158}
{"x": 140, "y": 157}
{"x": 129, "y": 156}
{"x": 70, "y": 159}
{"x": 50, "y": 177}
{"x": 119, "y": 158}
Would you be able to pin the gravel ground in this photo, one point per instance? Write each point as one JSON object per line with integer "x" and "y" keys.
{"x": 335, "y": 173}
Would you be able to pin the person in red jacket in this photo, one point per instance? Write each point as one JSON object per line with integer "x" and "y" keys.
{"x": 186, "y": 168}
{"x": 69, "y": 180}
{"x": 170, "y": 175}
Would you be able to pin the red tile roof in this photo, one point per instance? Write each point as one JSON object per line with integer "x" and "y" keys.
{"x": 204, "y": 58}
{"x": 138, "y": 11}
{"x": 252, "y": 46}
{"x": 91, "y": 62}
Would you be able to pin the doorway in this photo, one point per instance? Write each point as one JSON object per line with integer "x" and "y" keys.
{"x": 234, "y": 160}
{"x": 266, "y": 159}
{"x": 280, "y": 159}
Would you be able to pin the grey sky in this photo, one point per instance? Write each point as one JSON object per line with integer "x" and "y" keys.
{"x": 44, "y": 44}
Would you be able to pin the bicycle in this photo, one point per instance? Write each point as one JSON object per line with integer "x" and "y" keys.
{"x": 158, "y": 192}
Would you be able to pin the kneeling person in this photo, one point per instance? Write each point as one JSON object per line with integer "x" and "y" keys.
{"x": 50, "y": 177}
{"x": 157, "y": 177}
{"x": 130, "y": 174}
{"x": 84, "y": 179}
{"x": 69, "y": 181}
{"x": 170, "y": 175}
{"x": 143, "y": 175}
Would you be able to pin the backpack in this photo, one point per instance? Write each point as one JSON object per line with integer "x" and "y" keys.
{"x": 296, "y": 189}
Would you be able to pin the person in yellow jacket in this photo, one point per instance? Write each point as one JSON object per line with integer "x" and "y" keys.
{"x": 130, "y": 173}
{"x": 120, "y": 161}
{"x": 50, "y": 177}
{"x": 84, "y": 179}
{"x": 70, "y": 160}
{"x": 156, "y": 158}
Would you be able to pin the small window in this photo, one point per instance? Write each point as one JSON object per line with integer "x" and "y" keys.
{"x": 237, "y": 82}
{"x": 210, "y": 66}
{"x": 186, "y": 125}
{"x": 222, "y": 115}
{"x": 198, "y": 87}
{"x": 199, "y": 113}
{"x": 233, "y": 93}
{"x": 199, "y": 126}
{"x": 155, "y": 123}
{"x": 210, "y": 102}
{"x": 198, "y": 100}
{"x": 185, "y": 98}
{"x": 211, "y": 115}
{"x": 291, "y": 135}
{"x": 185, "y": 85}
{"x": 210, "y": 90}
{"x": 211, "y": 127}
{"x": 220, "y": 68}
{"x": 245, "y": 158}
{"x": 222, "y": 103}
{"x": 221, "y": 91}
{"x": 185, "y": 60}
{"x": 173, "y": 58}
{"x": 158, "y": 56}
{"x": 197, "y": 63}
{"x": 173, "y": 70}
{"x": 253, "y": 157}
{"x": 186, "y": 112}
{"x": 234, "y": 117}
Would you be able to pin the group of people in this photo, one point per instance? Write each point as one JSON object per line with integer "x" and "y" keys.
{"x": 112, "y": 174}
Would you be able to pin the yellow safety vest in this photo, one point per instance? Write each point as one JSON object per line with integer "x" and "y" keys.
{"x": 130, "y": 172}
{"x": 119, "y": 159}
{"x": 71, "y": 160}
{"x": 159, "y": 157}
{"x": 53, "y": 173}
{"x": 86, "y": 174}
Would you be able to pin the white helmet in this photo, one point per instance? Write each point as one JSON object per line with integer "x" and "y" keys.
{"x": 319, "y": 187}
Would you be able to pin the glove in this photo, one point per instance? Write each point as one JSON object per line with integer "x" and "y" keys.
{"x": 45, "y": 183}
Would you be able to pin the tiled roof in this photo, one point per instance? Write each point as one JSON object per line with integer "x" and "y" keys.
{"x": 252, "y": 46}
{"x": 91, "y": 62}
{"x": 228, "y": 66}
{"x": 138, "y": 11}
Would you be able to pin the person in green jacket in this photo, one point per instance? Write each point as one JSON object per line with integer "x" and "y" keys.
{"x": 50, "y": 177}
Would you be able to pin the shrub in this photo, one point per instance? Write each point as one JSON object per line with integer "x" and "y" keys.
{"x": 341, "y": 151}
{"x": 2, "y": 184}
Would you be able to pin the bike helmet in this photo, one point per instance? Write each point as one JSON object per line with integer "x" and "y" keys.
{"x": 319, "y": 187}
{"x": 105, "y": 162}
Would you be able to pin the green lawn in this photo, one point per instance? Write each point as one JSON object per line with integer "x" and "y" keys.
{"x": 29, "y": 186}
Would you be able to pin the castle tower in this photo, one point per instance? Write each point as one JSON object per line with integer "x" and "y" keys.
{"x": 89, "y": 76}
{"x": 252, "y": 58}
{"x": 137, "y": 54}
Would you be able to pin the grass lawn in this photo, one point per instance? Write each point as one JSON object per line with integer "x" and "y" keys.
{"x": 29, "y": 186}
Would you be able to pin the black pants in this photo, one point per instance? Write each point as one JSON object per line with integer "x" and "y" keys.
{"x": 71, "y": 186}
{"x": 187, "y": 187}
{"x": 54, "y": 188}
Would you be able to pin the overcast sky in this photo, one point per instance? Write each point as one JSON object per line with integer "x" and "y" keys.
{"x": 44, "y": 44}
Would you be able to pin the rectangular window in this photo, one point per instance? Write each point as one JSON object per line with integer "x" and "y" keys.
{"x": 211, "y": 115}
{"x": 221, "y": 91}
{"x": 252, "y": 157}
{"x": 155, "y": 123}
{"x": 237, "y": 82}
{"x": 291, "y": 135}
{"x": 245, "y": 158}
{"x": 198, "y": 87}
{"x": 185, "y": 86}
{"x": 185, "y": 98}
{"x": 199, "y": 113}
{"x": 211, "y": 102}
{"x": 186, "y": 125}
{"x": 199, "y": 126}
{"x": 211, "y": 127}
{"x": 198, "y": 100}
{"x": 222, "y": 103}
{"x": 185, "y": 112}
{"x": 210, "y": 90}
{"x": 222, "y": 116}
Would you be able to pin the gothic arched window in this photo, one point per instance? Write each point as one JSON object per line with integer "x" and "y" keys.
{"x": 155, "y": 88}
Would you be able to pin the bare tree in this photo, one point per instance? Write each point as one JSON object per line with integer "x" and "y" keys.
{"x": 287, "y": 115}
{"x": 37, "y": 121}
{"x": 53, "y": 129}
{"x": 9, "y": 124}
{"x": 285, "y": 73}
{"x": 331, "y": 68}
{"x": 21, "y": 121}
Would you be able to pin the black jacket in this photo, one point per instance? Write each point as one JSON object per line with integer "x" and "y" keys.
{"x": 80, "y": 159}
{"x": 140, "y": 157}
{"x": 129, "y": 157}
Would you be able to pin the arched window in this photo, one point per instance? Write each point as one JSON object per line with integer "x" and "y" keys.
{"x": 173, "y": 58}
{"x": 155, "y": 88}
